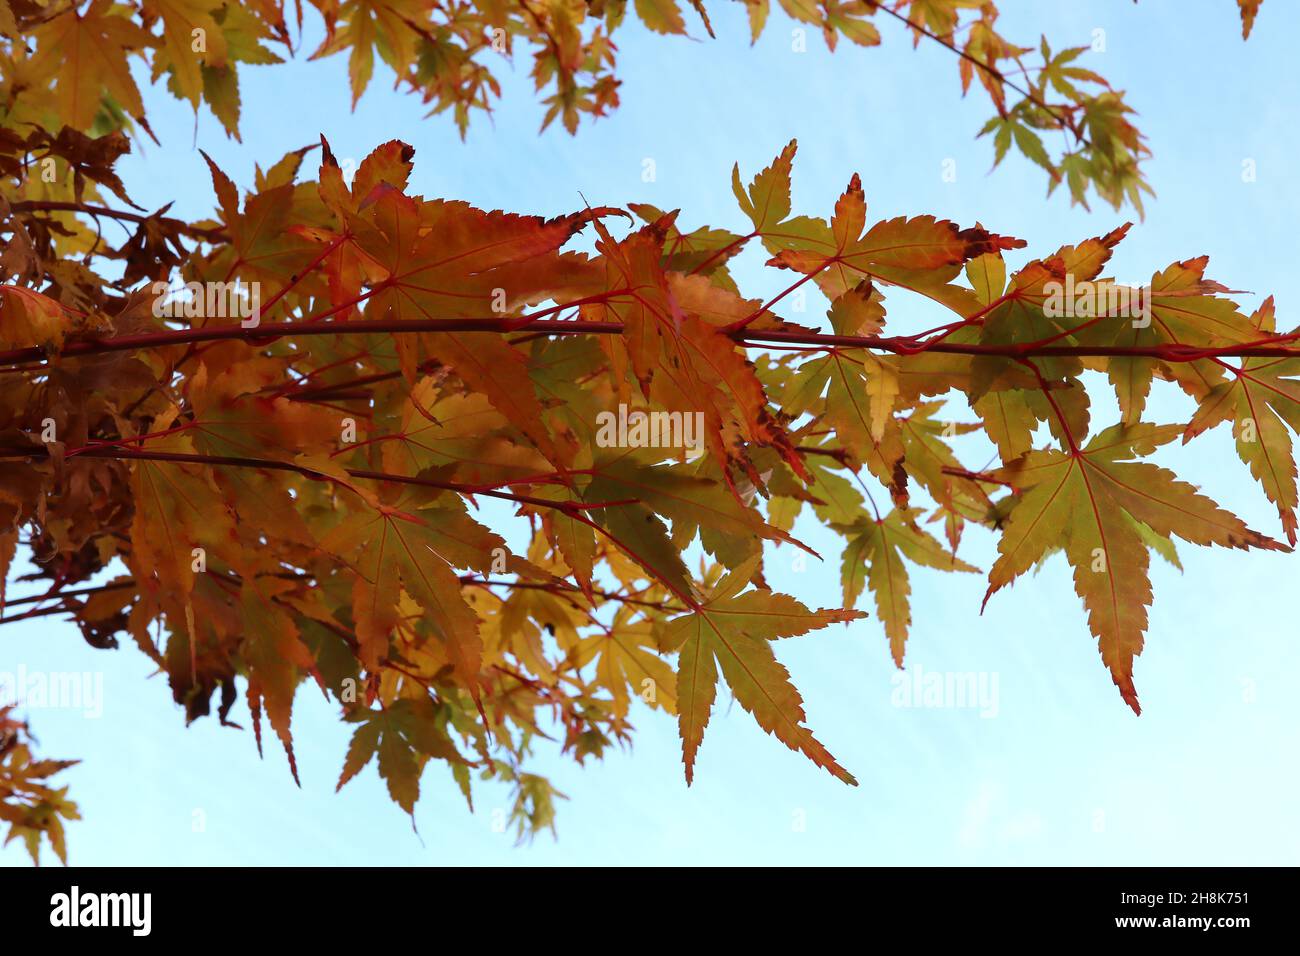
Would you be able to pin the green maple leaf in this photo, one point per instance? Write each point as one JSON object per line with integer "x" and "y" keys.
{"x": 405, "y": 735}
{"x": 734, "y": 631}
{"x": 420, "y": 550}
{"x": 1102, "y": 507}
{"x": 873, "y": 556}
{"x": 1263, "y": 399}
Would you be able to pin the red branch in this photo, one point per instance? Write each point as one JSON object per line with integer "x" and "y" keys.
{"x": 33, "y": 205}
{"x": 109, "y": 451}
{"x": 901, "y": 345}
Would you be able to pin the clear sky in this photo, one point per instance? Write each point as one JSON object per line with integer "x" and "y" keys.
{"x": 1062, "y": 771}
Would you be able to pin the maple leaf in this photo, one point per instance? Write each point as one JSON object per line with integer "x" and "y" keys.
{"x": 921, "y": 251}
{"x": 860, "y": 388}
{"x": 1249, "y": 10}
{"x": 461, "y": 262}
{"x": 767, "y": 200}
{"x": 1182, "y": 308}
{"x": 261, "y": 248}
{"x": 368, "y": 25}
{"x": 178, "y": 509}
{"x": 243, "y": 32}
{"x": 686, "y": 496}
{"x": 276, "y": 656}
{"x": 404, "y": 735}
{"x": 734, "y": 631}
{"x": 929, "y": 459}
{"x": 873, "y": 556}
{"x": 90, "y": 157}
{"x": 644, "y": 538}
{"x": 29, "y": 318}
{"x": 628, "y": 663}
{"x": 441, "y": 428}
{"x": 31, "y": 807}
{"x": 420, "y": 549}
{"x": 191, "y": 40}
{"x": 704, "y": 251}
{"x": 683, "y": 362}
{"x": 1263, "y": 399}
{"x": 1033, "y": 308}
{"x": 86, "y": 54}
{"x": 1099, "y": 504}
{"x": 661, "y": 16}
{"x": 1061, "y": 76}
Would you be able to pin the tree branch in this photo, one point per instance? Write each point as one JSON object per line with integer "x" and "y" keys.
{"x": 49, "y": 205}
{"x": 109, "y": 451}
{"x": 901, "y": 345}
{"x": 1065, "y": 121}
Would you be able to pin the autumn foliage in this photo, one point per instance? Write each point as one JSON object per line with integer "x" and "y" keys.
{"x": 273, "y": 499}
{"x": 80, "y": 61}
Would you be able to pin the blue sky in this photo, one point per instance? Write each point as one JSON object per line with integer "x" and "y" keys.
{"x": 1063, "y": 773}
